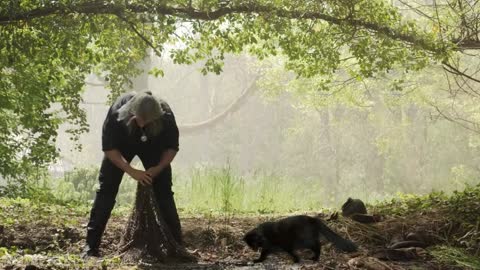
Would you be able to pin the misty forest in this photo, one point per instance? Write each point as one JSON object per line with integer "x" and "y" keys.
{"x": 362, "y": 114}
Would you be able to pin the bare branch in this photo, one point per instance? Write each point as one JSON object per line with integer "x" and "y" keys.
{"x": 456, "y": 71}
{"x": 455, "y": 120}
{"x": 416, "y": 10}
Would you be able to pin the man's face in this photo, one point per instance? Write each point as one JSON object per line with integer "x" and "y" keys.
{"x": 140, "y": 121}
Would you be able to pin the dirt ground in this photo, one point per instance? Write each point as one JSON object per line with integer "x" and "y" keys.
{"x": 216, "y": 242}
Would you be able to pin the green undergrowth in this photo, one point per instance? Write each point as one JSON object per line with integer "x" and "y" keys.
{"x": 19, "y": 211}
{"x": 461, "y": 205}
{"x": 460, "y": 226}
{"x": 460, "y": 210}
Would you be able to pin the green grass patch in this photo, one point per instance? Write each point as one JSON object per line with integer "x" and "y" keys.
{"x": 454, "y": 256}
{"x": 222, "y": 191}
{"x": 17, "y": 211}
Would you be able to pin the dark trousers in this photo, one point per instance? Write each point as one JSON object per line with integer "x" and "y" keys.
{"x": 110, "y": 178}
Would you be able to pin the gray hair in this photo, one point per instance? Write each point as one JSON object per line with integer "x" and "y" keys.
{"x": 146, "y": 106}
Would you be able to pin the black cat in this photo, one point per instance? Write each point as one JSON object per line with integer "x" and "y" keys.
{"x": 292, "y": 233}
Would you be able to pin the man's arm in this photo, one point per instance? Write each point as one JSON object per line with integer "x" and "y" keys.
{"x": 167, "y": 158}
{"x": 171, "y": 141}
{"x": 116, "y": 158}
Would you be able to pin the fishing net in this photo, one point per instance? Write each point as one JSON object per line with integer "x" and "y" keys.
{"x": 147, "y": 237}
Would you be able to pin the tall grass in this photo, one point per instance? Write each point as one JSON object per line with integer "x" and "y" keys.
{"x": 221, "y": 190}
{"x": 213, "y": 190}
{"x": 210, "y": 190}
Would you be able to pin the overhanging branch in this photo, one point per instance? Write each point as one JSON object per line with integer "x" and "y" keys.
{"x": 98, "y": 7}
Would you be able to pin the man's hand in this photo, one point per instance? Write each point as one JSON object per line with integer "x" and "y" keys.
{"x": 154, "y": 171}
{"x": 142, "y": 177}
{"x": 167, "y": 157}
{"x": 116, "y": 158}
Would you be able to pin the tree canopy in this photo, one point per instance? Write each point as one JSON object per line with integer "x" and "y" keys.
{"x": 47, "y": 48}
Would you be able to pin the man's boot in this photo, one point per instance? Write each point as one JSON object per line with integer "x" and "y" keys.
{"x": 90, "y": 252}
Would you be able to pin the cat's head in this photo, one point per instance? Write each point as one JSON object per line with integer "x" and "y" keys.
{"x": 254, "y": 239}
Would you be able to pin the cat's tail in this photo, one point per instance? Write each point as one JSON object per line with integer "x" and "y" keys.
{"x": 337, "y": 240}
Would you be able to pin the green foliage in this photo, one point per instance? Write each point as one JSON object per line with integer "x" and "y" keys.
{"x": 219, "y": 190}
{"x": 77, "y": 187}
{"x": 453, "y": 256}
{"x": 43, "y": 66}
{"x": 311, "y": 46}
{"x": 461, "y": 205}
{"x": 384, "y": 132}
{"x": 30, "y": 189}
{"x": 47, "y": 48}
{"x": 81, "y": 185}
{"x": 203, "y": 190}
{"x": 466, "y": 204}
{"x": 15, "y": 212}
{"x": 404, "y": 204}
{"x": 61, "y": 222}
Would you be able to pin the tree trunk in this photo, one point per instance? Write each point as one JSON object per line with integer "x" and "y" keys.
{"x": 147, "y": 236}
{"x": 338, "y": 112}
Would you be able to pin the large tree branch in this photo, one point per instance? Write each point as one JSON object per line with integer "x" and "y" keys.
{"x": 98, "y": 7}
{"x": 234, "y": 106}
{"x": 466, "y": 44}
